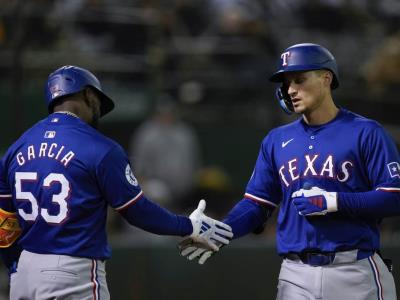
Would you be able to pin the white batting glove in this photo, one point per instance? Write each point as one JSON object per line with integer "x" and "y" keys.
{"x": 315, "y": 201}
{"x": 191, "y": 250}
{"x": 208, "y": 231}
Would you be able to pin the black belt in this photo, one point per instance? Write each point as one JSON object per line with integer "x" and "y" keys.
{"x": 311, "y": 258}
{"x": 327, "y": 258}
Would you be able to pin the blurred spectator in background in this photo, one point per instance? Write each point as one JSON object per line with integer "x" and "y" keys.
{"x": 166, "y": 155}
{"x": 213, "y": 184}
{"x": 244, "y": 38}
{"x": 382, "y": 70}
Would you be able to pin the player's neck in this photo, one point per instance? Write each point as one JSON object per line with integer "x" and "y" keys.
{"x": 72, "y": 107}
{"x": 66, "y": 112}
{"x": 322, "y": 114}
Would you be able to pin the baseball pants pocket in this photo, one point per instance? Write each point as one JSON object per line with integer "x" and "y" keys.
{"x": 289, "y": 291}
{"x": 59, "y": 273}
{"x": 293, "y": 285}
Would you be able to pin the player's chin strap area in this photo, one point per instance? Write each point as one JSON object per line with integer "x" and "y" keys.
{"x": 284, "y": 99}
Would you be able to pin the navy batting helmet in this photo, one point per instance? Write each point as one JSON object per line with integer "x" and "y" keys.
{"x": 69, "y": 80}
{"x": 303, "y": 57}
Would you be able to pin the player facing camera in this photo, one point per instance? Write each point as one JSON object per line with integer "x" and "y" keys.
{"x": 333, "y": 175}
{"x": 300, "y": 58}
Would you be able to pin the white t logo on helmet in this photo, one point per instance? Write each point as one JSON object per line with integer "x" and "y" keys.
{"x": 285, "y": 56}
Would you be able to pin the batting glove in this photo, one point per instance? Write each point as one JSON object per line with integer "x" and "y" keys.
{"x": 208, "y": 231}
{"x": 315, "y": 201}
{"x": 191, "y": 250}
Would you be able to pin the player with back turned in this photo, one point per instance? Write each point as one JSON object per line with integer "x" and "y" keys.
{"x": 58, "y": 179}
{"x": 334, "y": 175}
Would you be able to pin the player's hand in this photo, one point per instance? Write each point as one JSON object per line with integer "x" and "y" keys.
{"x": 314, "y": 201}
{"x": 192, "y": 250}
{"x": 208, "y": 231}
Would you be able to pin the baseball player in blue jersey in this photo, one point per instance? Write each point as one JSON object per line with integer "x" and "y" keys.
{"x": 334, "y": 175}
{"x": 58, "y": 179}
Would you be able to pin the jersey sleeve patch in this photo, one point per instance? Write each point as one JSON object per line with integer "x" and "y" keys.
{"x": 258, "y": 199}
{"x": 129, "y": 175}
{"x": 394, "y": 169}
{"x": 116, "y": 179}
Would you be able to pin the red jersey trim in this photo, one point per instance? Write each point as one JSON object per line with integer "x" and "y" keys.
{"x": 258, "y": 199}
{"x": 130, "y": 202}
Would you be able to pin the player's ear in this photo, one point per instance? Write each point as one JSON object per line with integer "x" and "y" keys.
{"x": 327, "y": 77}
{"x": 88, "y": 96}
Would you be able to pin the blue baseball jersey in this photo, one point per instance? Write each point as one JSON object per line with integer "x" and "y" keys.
{"x": 62, "y": 175}
{"x": 348, "y": 154}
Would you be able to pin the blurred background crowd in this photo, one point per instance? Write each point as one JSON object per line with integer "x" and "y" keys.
{"x": 189, "y": 77}
{"x": 190, "y": 80}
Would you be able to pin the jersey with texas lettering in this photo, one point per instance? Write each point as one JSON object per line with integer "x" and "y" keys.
{"x": 62, "y": 175}
{"x": 348, "y": 154}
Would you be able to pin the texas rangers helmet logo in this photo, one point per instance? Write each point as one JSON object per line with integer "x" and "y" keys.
{"x": 285, "y": 58}
{"x": 129, "y": 175}
{"x": 55, "y": 91}
{"x": 394, "y": 169}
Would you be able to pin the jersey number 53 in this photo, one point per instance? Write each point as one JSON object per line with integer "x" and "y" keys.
{"x": 59, "y": 199}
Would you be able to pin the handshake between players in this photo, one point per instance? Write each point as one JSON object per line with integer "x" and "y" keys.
{"x": 210, "y": 235}
{"x": 207, "y": 232}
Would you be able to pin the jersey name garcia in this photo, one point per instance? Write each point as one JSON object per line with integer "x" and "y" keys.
{"x": 348, "y": 154}
{"x": 54, "y": 151}
{"x": 62, "y": 175}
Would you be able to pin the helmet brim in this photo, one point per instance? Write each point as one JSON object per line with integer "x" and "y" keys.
{"x": 278, "y": 76}
{"x": 106, "y": 104}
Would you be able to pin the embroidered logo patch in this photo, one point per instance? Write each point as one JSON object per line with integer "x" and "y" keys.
{"x": 394, "y": 169}
{"x": 129, "y": 176}
{"x": 49, "y": 134}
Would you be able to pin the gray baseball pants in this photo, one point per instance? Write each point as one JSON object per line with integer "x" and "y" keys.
{"x": 61, "y": 277}
{"x": 346, "y": 278}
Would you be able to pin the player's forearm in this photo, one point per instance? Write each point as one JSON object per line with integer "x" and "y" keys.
{"x": 377, "y": 204}
{"x": 246, "y": 216}
{"x": 151, "y": 217}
